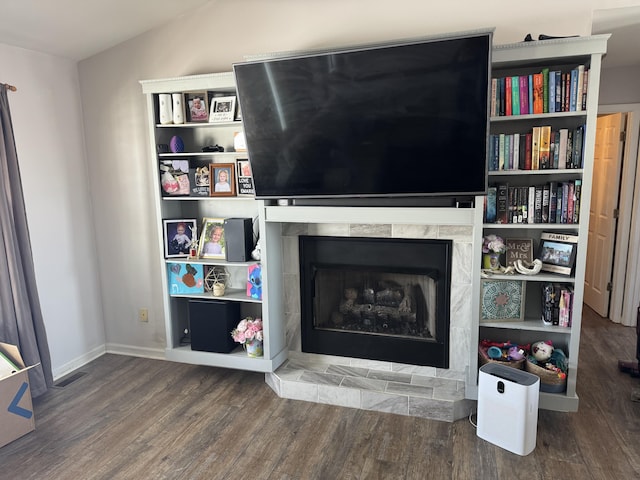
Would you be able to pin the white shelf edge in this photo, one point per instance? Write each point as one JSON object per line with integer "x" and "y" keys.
{"x": 237, "y": 359}
{"x": 533, "y": 226}
{"x": 210, "y": 261}
{"x": 231, "y": 295}
{"x": 547, "y": 171}
{"x": 540, "y": 277}
{"x": 537, "y": 116}
{"x": 233, "y": 123}
{"x": 527, "y": 325}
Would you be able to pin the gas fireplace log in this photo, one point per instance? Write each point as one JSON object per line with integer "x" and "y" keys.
{"x": 348, "y": 307}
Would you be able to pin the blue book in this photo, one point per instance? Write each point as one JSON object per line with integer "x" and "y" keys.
{"x": 490, "y": 213}
{"x": 574, "y": 90}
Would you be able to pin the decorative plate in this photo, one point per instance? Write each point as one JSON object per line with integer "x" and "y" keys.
{"x": 502, "y": 300}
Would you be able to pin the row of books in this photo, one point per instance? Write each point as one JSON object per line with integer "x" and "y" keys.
{"x": 557, "y": 304}
{"x": 541, "y": 148}
{"x": 543, "y": 92}
{"x": 553, "y": 202}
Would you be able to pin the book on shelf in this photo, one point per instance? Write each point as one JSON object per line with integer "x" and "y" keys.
{"x": 577, "y": 191}
{"x": 515, "y": 96}
{"x": 545, "y": 147}
{"x": 579, "y": 88}
{"x": 538, "y": 93}
{"x": 535, "y": 148}
{"x": 494, "y": 96}
{"x": 531, "y": 198}
{"x": 552, "y": 92}
{"x": 502, "y": 203}
{"x": 573, "y": 92}
{"x": 545, "y": 203}
{"x": 545, "y": 90}
{"x": 559, "y": 200}
{"x": 553, "y": 201}
{"x": 523, "y": 81}
{"x": 508, "y": 103}
{"x": 537, "y": 205}
{"x": 585, "y": 84}
{"x": 490, "y": 205}
{"x": 557, "y": 304}
{"x": 562, "y": 148}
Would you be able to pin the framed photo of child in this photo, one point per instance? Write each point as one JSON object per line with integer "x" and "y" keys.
{"x": 223, "y": 180}
{"x": 179, "y": 236}
{"x": 197, "y": 106}
{"x": 212, "y": 242}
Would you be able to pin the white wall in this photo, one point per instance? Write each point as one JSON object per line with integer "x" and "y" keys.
{"x": 48, "y": 129}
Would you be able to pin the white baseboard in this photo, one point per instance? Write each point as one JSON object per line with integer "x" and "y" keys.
{"x": 115, "y": 348}
{"x": 119, "y": 349}
{"x": 78, "y": 362}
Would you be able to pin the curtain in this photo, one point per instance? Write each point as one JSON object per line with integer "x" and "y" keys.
{"x": 21, "y": 321}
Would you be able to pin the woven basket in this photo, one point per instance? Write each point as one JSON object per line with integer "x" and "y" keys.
{"x": 550, "y": 382}
{"x": 483, "y": 359}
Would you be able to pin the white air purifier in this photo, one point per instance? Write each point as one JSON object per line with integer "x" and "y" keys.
{"x": 508, "y": 407}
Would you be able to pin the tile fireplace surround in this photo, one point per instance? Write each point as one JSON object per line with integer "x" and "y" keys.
{"x": 418, "y": 391}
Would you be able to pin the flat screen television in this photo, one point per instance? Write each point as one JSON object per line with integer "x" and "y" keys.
{"x": 405, "y": 119}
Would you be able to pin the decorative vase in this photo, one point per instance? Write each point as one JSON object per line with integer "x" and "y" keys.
{"x": 218, "y": 289}
{"x": 491, "y": 261}
{"x": 176, "y": 144}
{"x": 254, "y": 348}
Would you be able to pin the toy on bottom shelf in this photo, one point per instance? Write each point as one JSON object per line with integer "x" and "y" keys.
{"x": 506, "y": 353}
{"x": 550, "y": 364}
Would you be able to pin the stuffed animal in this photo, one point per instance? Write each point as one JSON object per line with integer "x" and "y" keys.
{"x": 541, "y": 351}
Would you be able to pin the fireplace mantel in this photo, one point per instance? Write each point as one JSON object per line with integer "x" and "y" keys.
{"x": 370, "y": 215}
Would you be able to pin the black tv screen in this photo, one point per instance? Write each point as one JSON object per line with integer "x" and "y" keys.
{"x": 395, "y": 120}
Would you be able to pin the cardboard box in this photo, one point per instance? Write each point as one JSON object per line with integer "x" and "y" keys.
{"x": 16, "y": 407}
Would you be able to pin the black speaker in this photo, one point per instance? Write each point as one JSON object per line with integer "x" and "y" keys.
{"x": 238, "y": 239}
{"x": 210, "y": 325}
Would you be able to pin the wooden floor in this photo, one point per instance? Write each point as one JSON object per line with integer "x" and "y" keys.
{"x": 133, "y": 418}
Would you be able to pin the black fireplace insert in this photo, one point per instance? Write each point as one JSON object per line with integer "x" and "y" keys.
{"x": 376, "y": 298}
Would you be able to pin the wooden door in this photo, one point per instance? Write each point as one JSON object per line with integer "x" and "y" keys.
{"x": 602, "y": 219}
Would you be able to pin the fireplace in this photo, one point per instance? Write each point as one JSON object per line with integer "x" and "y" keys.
{"x": 376, "y": 298}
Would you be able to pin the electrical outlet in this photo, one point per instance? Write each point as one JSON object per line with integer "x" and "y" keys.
{"x": 143, "y": 315}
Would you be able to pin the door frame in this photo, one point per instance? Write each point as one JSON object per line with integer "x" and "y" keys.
{"x": 625, "y": 294}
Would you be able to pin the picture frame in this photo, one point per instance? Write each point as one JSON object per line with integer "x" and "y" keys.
{"x": 197, "y": 106}
{"x": 223, "y": 109}
{"x": 502, "y": 300}
{"x": 518, "y": 249}
{"x": 219, "y": 185}
{"x": 179, "y": 236}
{"x": 245, "y": 178}
{"x": 558, "y": 252}
{"x": 212, "y": 241}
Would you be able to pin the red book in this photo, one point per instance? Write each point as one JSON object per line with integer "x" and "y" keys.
{"x": 527, "y": 151}
{"x": 538, "y": 93}
{"x": 507, "y": 97}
